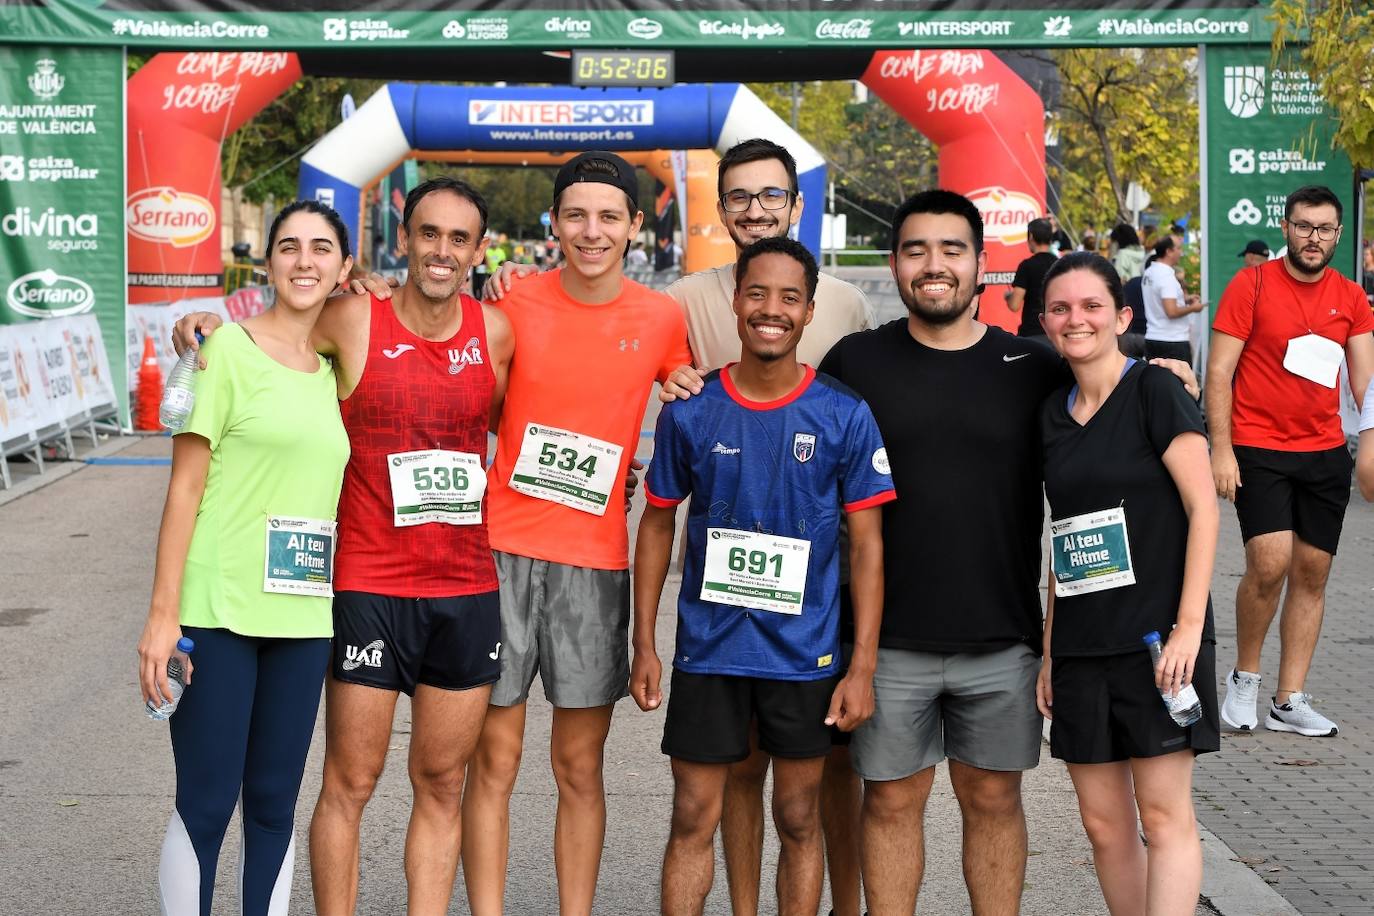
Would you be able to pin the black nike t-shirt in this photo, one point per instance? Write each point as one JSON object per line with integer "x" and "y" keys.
{"x": 1116, "y": 459}
{"x": 961, "y": 547}
{"x": 1030, "y": 276}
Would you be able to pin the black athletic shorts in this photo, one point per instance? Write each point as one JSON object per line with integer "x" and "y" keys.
{"x": 1302, "y": 492}
{"x": 709, "y": 716}
{"x": 1107, "y": 709}
{"x": 396, "y": 643}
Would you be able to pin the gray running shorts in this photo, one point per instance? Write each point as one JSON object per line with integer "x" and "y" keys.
{"x": 569, "y": 624}
{"x": 974, "y": 707}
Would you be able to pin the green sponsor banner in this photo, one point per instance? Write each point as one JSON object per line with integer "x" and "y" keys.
{"x": 62, "y": 189}
{"x": 1267, "y": 132}
{"x": 479, "y": 24}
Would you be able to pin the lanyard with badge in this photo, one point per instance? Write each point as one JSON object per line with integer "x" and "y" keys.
{"x": 436, "y": 485}
{"x": 567, "y": 468}
{"x": 758, "y": 571}
{"x": 1091, "y": 553}
{"x": 299, "y": 556}
{"x": 1312, "y": 356}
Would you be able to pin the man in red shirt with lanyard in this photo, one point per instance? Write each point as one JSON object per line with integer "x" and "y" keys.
{"x": 1278, "y": 450}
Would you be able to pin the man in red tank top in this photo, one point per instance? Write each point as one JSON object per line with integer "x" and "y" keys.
{"x": 421, "y": 379}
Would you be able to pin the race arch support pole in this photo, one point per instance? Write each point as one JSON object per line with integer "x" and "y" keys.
{"x": 990, "y": 128}
{"x": 402, "y": 119}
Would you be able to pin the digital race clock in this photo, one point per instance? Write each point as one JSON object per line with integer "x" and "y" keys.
{"x": 622, "y": 68}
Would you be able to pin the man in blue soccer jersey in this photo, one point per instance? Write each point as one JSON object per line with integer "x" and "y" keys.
{"x": 770, "y": 453}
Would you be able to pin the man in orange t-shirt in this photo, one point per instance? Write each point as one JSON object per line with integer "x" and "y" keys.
{"x": 591, "y": 344}
{"x": 1278, "y": 450}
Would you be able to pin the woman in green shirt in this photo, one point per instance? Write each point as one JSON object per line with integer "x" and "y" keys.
{"x": 244, "y": 567}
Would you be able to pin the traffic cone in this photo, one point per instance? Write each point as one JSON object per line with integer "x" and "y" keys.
{"x": 149, "y": 388}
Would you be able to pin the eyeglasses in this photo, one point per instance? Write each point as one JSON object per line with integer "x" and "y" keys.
{"x": 1305, "y": 230}
{"x": 739, "y": 200}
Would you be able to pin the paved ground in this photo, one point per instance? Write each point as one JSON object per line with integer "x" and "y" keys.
{"x": 86, "y": 780}
{"x": 1300, "y": 811}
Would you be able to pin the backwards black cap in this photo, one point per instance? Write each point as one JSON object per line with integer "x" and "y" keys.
{"x": 603, "y": 167}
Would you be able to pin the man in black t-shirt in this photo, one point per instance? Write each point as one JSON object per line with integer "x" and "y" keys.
{"x": 1025, "y": 293}
{"x": 958, "y": 403}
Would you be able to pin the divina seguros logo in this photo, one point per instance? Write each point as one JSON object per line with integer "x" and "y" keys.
{"x": 167, "y": 216}
{"x": 49, "y": 294}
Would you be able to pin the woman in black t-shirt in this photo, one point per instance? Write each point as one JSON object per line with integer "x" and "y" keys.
{"x": 1133, "y": 538}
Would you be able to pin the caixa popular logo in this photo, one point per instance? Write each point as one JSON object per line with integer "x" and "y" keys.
{"x": 167, "y": 216}
{"x": 49, "y": 294}
{"x": 1005, "y": 213}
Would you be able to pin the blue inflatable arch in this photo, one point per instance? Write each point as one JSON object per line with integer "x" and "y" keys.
{"x": 402, "y": 119}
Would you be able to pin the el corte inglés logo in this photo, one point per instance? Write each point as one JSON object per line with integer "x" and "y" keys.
{"x": 1005, "y": 213}
{"x": 169, "y": 217}
{"x": 49, "y": 294}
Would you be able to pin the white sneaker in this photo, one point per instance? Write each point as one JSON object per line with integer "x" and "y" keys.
{"x": 1297, "y": 715}
{"x": 1238, "y": 710}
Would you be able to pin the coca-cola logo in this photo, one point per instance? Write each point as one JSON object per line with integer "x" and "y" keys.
{"x": 849, "y": 29}
{"x": 1005, "y": 213}
{"x": 166, "y": 216}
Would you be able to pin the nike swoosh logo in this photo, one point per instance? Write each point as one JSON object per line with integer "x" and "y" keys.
{"x": 1012, "y": 359}
{"x": 397, "y": 350}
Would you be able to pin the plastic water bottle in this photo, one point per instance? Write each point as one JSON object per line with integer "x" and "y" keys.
{"x": 176, "y": 680}
{"x": 180, "y": 394}
{"x": 1184, "y": 707}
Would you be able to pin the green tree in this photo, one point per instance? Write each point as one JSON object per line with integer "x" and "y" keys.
{"x": 1339, "y": 54}
{"x": 261, "y": 160}
{"x": 515, "y": 195}
{"x": 1126, "y": 115}
{"x": 877, "y": 158}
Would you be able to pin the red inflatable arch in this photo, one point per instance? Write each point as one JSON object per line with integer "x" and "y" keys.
{"x": 988, "y": 124}
{"x": 990, "y": 128}
{"x": 180, "y": 109}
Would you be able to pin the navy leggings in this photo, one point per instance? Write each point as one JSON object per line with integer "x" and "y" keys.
{"x": 240, "y": 737}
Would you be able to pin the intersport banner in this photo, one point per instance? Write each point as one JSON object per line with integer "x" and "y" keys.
{"x": 1267, "y": 133}
{"x": 336, "y": 24}
{"x": 62, "y": 187}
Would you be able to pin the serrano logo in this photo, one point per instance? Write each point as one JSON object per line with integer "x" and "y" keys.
{"x": 1005, "y": 213}
{"x": 645, "y": 28}
{"x": 49, "y": 294}
{"x": 169, "y": 217}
